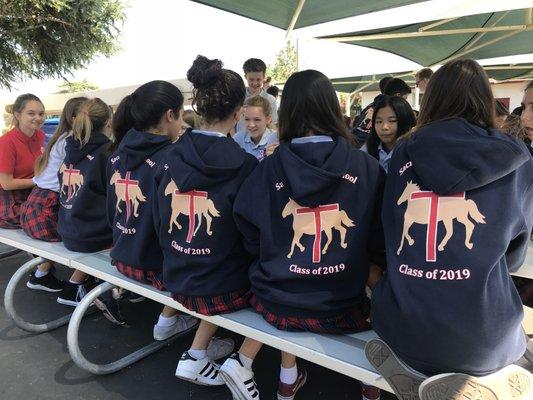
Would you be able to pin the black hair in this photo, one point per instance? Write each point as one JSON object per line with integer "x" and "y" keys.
{"x": 310, "y": 104}
{"x": 383, "y": 83}
{"x": 217, "y": 92}
{"x": 273, "y": 91}
{"x": 397, "y": 86}
{"x": 405, "y": 118}
{"x": 144, "y": 108}
{"x": 254, "y": 65}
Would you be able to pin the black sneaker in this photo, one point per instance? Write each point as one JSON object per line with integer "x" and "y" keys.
{"x": 110, "y": 307}
{"x": 48, "y": 283}
{"x": 72, "y": 294}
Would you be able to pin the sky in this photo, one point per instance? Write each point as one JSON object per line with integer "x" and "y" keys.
{"x": 161, "y": 38}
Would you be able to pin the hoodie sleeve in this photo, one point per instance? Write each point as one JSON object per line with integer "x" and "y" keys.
{"x": 243, "y": 215}
{"x": 156, "y": 198}
{"x": 100, "y": 182}
{"x": 110, "y": 196}
{"x": 517, "y": 249}
{"x": 376, "y": 240}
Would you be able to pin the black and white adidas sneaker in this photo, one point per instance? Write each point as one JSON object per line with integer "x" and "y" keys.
{"x": 201, "y": 372}
{"x": 239, "y": 379}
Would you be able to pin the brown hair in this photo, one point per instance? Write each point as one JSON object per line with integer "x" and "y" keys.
{"x": 217, "y": 92}
{"x": 258, "y": 101}
{"x": 424, "y": 73}
{"x": 460, "y": 88}
{"x": 309, "y": 103}
{"x": 529, "y": 86}
{"x": 92, "y": 116}
{"x": 70, "y": 110}
{"x": 20, "y": 103}
{"x": 192, "y": 119}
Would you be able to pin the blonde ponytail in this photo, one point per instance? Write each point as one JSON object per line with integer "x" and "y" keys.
{"x": 92, "y": 117}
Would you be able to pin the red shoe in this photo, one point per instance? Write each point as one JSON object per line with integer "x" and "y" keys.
{"x": 287, "y": 392}
{"x": 369, "y": 392}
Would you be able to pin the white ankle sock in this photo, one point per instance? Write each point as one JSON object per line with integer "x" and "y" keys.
{"x": 167, "y": 321}
{"x": 198, "y": 354}
{"x": 246, "y": 361}
{"x": 288, "y": 375}
{"x": 40, "y": 274}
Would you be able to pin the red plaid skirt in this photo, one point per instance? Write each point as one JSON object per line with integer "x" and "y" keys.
{"x": 141, "y": 275}
{"x": 356, "y": 320}
{"x": 215, "y": 305}
{"x": 525, "y": 290}
{"x": 38, "y": 215}
{"x": 10, "y": 203}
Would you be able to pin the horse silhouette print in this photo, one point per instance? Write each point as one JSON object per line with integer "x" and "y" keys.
{"x": 312, "y": 221}
{"x": 71, "y": 179}
{"x": 191, "y": 203}
{"x": 128, "y": 191}
{"x": 428, "y": 208}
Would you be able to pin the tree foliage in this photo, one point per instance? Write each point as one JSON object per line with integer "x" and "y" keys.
{"x": 286, "y": 64}
{"x": 76, "y": 86}
{"x": 51, "y": 38}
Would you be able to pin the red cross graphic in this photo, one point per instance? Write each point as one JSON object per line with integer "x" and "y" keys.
{"x": 128, "y": 182}
{"x": 431, "y": 236}
{"x": 70, "y": 171}
{"x": 317, "y": 211}
{"x": 192, "y": 218}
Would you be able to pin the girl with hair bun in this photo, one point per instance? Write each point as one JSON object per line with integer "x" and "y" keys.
{"x": 205, "y": 264}
{"x": 146, "y": 123}
{"x": 82, "y": 222}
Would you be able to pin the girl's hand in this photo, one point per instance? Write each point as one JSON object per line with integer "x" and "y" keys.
{"x": 270, "y": 148}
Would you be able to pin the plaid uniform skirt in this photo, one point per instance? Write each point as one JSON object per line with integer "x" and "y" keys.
{"x": 216, "y": 305}
{"x": 10, "y": 203}
{"x": 38, "y": 215}
{"x": 356, "y": 320}
{"x": 141, "y": 275}
{"x": 525, "y": 290}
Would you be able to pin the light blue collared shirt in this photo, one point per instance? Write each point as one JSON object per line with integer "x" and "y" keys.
{"x": 244, "y": 140}
{"x": 312, "y": 139}
{"x": 208, "y": 133}
{"x": 384, "y": 157}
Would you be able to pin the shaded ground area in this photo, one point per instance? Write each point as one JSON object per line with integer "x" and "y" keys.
{"x": 39, "y": 366}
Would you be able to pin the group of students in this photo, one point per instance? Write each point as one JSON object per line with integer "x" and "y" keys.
{"x": 300, "y": 235}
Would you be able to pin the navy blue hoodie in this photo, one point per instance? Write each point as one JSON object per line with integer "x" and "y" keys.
{"x": 457, "y": 212}
{"x": 203, "y": 251}
{"x": 294, "y": 201}
{"x": 82, "y": 221}
{"x": 130, "y": 193}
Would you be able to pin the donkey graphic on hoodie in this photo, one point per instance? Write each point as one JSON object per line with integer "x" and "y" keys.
{"x": 191, "y": 203}
{"x": 312, "y": 221}
{"x": 441, "y": 208}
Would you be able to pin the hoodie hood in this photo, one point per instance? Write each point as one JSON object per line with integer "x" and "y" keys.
{"x": 75, "y": 152}
{"x": 471, "y": 156}
{"x": 309, "y": 169}
{"x": 199, "y": 160}
{"x": 137, "y": 146}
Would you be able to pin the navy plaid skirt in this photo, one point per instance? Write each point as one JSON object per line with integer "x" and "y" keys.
{"x": 141, "y": 275}
{"x": 215, "y": 305}
{"x": 355, "y": 320}
{"x": 38, "y": 215}
{"x": 10, "y": 203}
{"x": 525, "y": 290}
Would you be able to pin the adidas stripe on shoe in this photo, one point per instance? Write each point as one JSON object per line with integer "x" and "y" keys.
{"x": 201, "y": 372}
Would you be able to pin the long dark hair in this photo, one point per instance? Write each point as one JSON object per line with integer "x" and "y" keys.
{"x": 309, "y": 103}
{"x": 144, "y": 108}
{"x": 460, "y": 88}
{"x": 218, "y": 92}
{"x": 405, "y": 118}
{"x": 71, "y": 108}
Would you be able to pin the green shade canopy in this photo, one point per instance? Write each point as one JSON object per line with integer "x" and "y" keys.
{"x": 429, "y": 43}
{"x": 370, "y": 83}
{"x": 279, "y": 13}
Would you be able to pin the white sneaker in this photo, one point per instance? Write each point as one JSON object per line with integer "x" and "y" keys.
{"x": 184, "y": 323}
{"x": 202, "y": 372}
{"x": 239, "y": 379}
{"x": 219, "y": 348}
{"x": 510, "y": 383}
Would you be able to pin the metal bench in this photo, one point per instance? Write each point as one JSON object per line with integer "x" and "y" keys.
{"x": 341, "y": 353}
